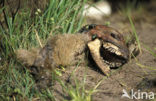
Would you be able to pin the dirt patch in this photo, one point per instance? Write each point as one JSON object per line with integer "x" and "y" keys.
{"x": 130, "y": 76}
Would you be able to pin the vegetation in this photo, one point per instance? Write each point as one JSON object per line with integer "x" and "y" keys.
{"x": 24, "y": 31}
{"x": 127, "y": 10}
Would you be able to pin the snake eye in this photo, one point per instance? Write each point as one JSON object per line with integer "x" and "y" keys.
{"x": 94, "y": 37}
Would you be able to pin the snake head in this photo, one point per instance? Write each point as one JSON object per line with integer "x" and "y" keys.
{"x": 114, "y": 50}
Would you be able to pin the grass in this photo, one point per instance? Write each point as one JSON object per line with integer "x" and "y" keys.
{"x": 62, "y": 16}
{"x": 79, "y": 92}
{"x": 127, "y": 10}
{"x": 130, "y": 6}
{"x": 150, "y": 51}
{"x": 135, "y": 33}
{"x": 25, "y": 32}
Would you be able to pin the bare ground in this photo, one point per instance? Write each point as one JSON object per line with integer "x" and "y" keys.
{"x": 131, "y": 75}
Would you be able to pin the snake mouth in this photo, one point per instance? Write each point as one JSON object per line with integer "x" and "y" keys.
{"x": 112, "y": 55}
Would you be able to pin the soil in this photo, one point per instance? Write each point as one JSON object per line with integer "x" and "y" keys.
{"x": 128, "y": 77}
